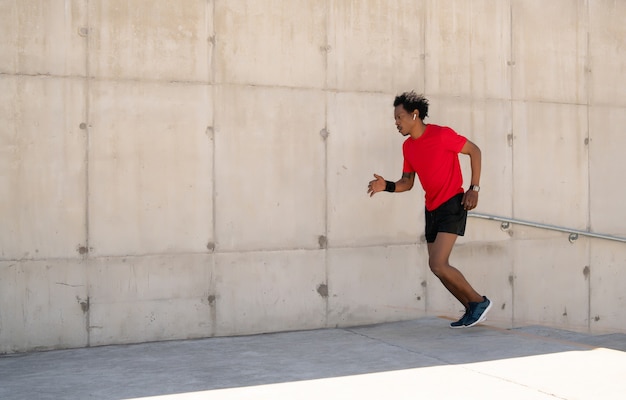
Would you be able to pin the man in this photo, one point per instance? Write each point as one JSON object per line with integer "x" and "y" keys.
{"x": 431, "y": 151}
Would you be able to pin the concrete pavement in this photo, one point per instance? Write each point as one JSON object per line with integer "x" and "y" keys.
{"x": 415, "y": 359}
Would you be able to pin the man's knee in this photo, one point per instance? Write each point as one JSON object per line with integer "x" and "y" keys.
{"x": 438, "y": 267}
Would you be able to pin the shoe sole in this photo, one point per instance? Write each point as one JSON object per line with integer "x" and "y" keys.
{"x": 458, "y": 327}
{"x": 483, "y": 316}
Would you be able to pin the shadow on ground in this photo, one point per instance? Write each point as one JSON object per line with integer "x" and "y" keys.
{"x": 151, "y": 369}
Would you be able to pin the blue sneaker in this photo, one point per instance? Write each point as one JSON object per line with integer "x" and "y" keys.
{"x": 460, "y": 323}
{"x": 477, "y": 312}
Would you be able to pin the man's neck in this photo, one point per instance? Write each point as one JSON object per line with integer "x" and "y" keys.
{"x": 418, "y": 130}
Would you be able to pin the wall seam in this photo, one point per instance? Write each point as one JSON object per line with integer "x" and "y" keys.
{"x": 326, "y": 92}
{"x": 212, "y": 39}
{"x": 512, "y": 148}
{"x": 587, "y": 77}
{"x": 86, "y": 255}
{"x": 424, "y": 283}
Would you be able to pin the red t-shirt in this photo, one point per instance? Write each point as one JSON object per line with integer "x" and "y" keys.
{"x": 434, "y": 157}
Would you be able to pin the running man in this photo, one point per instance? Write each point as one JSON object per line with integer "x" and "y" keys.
{"x": 431, "y": 152}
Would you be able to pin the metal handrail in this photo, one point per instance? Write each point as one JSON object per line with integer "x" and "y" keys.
{"x": 573, "y": 233}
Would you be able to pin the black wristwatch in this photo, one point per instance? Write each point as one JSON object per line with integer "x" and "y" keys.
{"x": 475, "y": 188}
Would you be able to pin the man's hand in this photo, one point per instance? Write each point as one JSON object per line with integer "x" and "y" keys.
{"x": 470, "y": 199}
{"x": 377, "y": 185}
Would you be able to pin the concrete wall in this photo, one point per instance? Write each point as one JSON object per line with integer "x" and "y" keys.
{"x": 198, "y": 168}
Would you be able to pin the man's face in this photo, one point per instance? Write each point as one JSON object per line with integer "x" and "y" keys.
{"x": 404, "y": 120}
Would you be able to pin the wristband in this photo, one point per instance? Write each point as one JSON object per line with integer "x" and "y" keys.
{"x": 390, "y": 186}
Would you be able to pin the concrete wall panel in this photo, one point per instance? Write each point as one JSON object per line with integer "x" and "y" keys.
{"x": 551, "y": 285}
{"x": 522, "y": 232}
{"x": 149, "y": 321}
{"x": 269, "y": 168}
{"x": 607, "y": 297}
{"x": 478, "y": 230}
{"x": 150, "y": 39}
{"x": 115, "y": 145}
{"x": 43, "y": 38}
{"x": 42, "y": 148}
{"x": 549, "y": 50}
{"x": 361, "y": 143}
{"x": 550, "y": 164}
{"x": 44, "y": 305}
{"x": 270, "y": 291}
{"x": 607, "y": 52}
{"x": 271, "y": 43}
{"x": 465, "y": 55}
{"x": 452, "y": 111}
{"x": 375, "y": 45}
{"x": 448, "y": 29}
{"x": 134, "y": 299}
{"x": 490, "y": 49}
{"x": 374, "y": 284}
{"x": 607, "y": 169}
{"x": 491, "y": 131}
{"x": 150, "y": 168}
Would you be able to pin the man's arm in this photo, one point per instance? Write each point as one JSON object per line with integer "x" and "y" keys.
{"x": 470, "y": 199}
{"x": 406, "y": 182}
{"x": 379, "y": 184}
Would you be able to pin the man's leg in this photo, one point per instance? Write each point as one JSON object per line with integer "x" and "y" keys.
{"x": 438, "y": 260}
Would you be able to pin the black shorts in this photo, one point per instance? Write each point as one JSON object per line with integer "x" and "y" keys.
{"x": 450, "y": 217}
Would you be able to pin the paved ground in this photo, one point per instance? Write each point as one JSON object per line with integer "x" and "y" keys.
{"x": 420, "y": 359}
